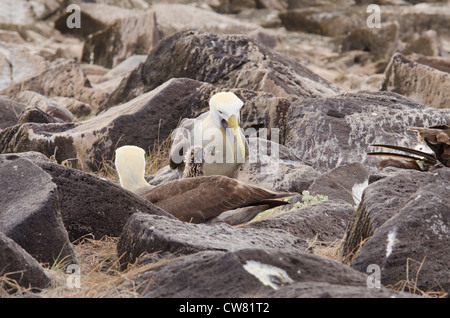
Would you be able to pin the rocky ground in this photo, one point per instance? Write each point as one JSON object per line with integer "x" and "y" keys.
{"x": 313, "y": 70}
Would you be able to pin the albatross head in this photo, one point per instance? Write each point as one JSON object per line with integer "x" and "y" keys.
{"x": 130, "y": 166}
{"x": 225, "y": 109}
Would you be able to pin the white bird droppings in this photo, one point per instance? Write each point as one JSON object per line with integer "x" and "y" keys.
{"x": 267, "y": 274}
{"x": 358, "y": 189}
{"x": 391, "y": 240}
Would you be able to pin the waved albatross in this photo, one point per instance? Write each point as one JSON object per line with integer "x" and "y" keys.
{"x": 218, "y": 133}
{"x": 193, "y": 199}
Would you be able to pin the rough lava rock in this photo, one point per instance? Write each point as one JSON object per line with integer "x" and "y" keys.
{"x": 9, "y": 112}
{"x": 417, "y": 81}
{"x": 163, "y": 236}
{"x": 250, "y": 272}
{"x": 325, "y": 221}
{"x": 18, "y": 265}
{"x": 405, "y": 219}
{"x": 30, "y": 213}
{"x": 62, "y": 78}
{"x": 346, "y": 182}
{"x": 134, "y": 34}
{"x": 227, "y": 61}
{"x": 333, "y": 131}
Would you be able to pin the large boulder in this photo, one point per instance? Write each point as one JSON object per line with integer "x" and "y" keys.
{"x": 274, "y": 166}
{"x": 346, "y": 182}
{"x": 32, "y": 136}
{"x": 18, "y": 63}
{"x": 379, "y": 42}
{"x": 30, "y": 213}
{"x": 326, "y": 290}
{"x": 162, "y": 236}
{"x": 334, "y": 131}
{"x": 252, "y": 272}
{"x": 329, "y": 21}
{"x": 94, "y": 17}
{"x": 45, "y": 104}
{"x": 174, "y": 18}
{"x": 62, "y": 78}
{"x": 17, "y": 265}
{"x": 9, "y": 112}
{"x": 334, "y": 20}
{"x": 323, "y": 221}
{"x": 227, "y": 61}
{"x": 417, "y": 81}
{"x": 134, "y": 34}
{"x": 404, "y": 222}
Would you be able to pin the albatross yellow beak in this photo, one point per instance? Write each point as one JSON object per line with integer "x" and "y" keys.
{"x": 233, "y": 123}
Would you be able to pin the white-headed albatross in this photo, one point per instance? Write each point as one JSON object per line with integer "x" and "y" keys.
{"x": 218, "y": 132}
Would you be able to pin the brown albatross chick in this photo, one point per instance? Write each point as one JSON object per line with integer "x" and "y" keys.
{"x": 194, "y": 199}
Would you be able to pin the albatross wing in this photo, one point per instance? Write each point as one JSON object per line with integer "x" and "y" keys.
{"x": 199, "y": 199}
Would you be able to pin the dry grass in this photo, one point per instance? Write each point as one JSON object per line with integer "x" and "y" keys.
{"x": 409, "y": 284}
{"x": 100, "y": 274}
{"x": 100, "y": 277}
{"x": 326, "y": 249}
{"x": 158, "y": 158}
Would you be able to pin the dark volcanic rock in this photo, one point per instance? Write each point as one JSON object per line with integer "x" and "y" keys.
{"x": 330, "y": 132}
{"x": 33, "y": 99}
{"x": 30, "y": 212}
{"x": 329, "y": 21}
{"x": 379, "y": 42}
{"x": 325, "y": 221}
{"x": 157, "y": 234}
{"x": 335, "y": 20}
{"x": 18, "y": 265}
{"x": 227, "y": 61}
{"x": 417, "y": 81}
{"x": 346, "y": 182}
{"x": 35, "y": 115}
{"x": 64, "y": 78}
{"x": 134, "y": 34}
{"x": 274, "y": 166}
{"x": 406, "y": 219}
{"x": 243, "y": 272}
{"x": 9, "y": 112}
{"x": 326, "y": 290}
{"x": 254, "y": 272}
{"x": 44, "y": 138}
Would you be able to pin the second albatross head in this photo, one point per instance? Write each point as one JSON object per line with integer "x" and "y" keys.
{"x": 225, "y": 109}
